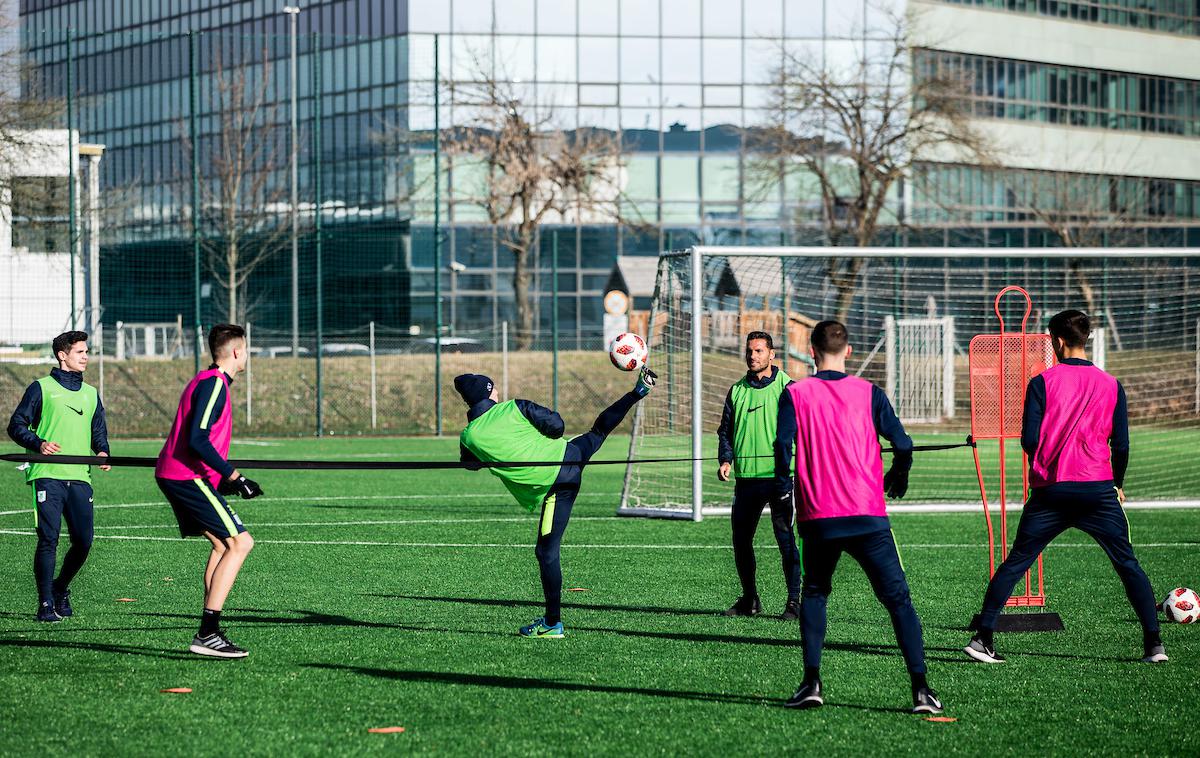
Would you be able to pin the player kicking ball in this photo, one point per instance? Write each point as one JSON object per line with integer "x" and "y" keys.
{"x": 194, "y": 472}
{"x": 521, "y": 430}
{"x": 1074, "y": 414}
{"x": 834, "y": 421}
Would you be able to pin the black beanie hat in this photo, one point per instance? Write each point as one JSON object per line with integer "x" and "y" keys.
{"x": 473, "y": 387}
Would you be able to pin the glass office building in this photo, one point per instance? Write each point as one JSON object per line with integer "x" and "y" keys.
{"x": 681, "y": 82}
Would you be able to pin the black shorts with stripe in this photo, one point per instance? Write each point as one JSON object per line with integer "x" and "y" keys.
{"x": 199, "y": 508}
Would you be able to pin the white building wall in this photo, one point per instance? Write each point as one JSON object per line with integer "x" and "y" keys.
{"x": 1044, "y": 39}
{"x": 1056, "y": 147}
{"x": 35, "y": 286}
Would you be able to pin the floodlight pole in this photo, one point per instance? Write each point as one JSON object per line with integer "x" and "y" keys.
{"x": 294, "y": 12}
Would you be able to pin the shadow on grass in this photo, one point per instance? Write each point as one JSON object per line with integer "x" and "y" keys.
{"x": 538, "y": 604}
{"x": 100, "y": 648}
{"x": 308, "y": 618}
{"x": 530, "y": 683}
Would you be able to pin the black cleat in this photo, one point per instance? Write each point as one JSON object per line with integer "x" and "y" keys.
{"x": 47, "y": 613}
{"x": 217, "y": 646}
{"x": 926, "y": 701}
{"x": 745, "y": 607}
{"x": 982, "y": 653}
{"x": 62, "y": 603}
{"x": 1155, "y": 654}
{"x": 791, "y": 611}
{"x": 808, "y": 696}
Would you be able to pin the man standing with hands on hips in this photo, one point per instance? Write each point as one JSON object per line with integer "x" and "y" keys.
{"x": 60, "y": 414}
{"x": 746, "y": 439}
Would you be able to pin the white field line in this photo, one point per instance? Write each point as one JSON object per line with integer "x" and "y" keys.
{"x": 323, "y": 499}
{"x": 1148, "y": 505}
{"x": 525, "y": 545}
{"x": 389, "y": 522}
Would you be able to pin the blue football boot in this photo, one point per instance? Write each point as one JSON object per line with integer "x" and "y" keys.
{"x": 539, "y": 628}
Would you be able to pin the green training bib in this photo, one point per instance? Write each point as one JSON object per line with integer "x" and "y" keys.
{"x": 503, "y": 433}
{"x": 755, "y": 416}
{"x": 66, "y": 420}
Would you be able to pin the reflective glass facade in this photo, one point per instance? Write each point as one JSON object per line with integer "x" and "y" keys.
{"x": 678, "y": 81}
{"x": 1028, "y": 91}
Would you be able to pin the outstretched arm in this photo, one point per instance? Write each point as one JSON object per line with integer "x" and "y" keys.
{"x": 546, "y": 421}
{"x": 888, "y": 426}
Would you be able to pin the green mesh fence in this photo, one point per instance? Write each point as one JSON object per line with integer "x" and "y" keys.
{"x": 292, "y": 182}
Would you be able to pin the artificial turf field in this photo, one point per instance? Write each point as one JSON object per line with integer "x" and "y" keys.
{"x": 392, "y": 599}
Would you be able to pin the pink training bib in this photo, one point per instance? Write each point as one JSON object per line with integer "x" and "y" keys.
{"x": 177, "y": 461}
{"x": 1076, "y": 427}
{"x": 839, "y": 466}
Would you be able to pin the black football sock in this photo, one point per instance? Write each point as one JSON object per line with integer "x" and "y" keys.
{"x": 1150, "y": 639}
{"x": 812, "y": 674}
{"x": 552, "y": 619}
{"x": 984, "y": 635}
{"x": 918, "y": 680}
{"x": 210, "y": 622}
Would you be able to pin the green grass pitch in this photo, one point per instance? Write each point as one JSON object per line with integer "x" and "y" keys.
{"x": 381, "y": 599}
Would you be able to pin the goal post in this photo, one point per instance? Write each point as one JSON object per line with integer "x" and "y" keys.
{"x": 911, "y": 313}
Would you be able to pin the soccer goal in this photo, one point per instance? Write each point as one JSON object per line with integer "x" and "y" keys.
{"x": 911, "y": 313}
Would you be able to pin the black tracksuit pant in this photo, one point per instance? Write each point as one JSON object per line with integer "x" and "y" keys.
{"x": 556, "y": 508}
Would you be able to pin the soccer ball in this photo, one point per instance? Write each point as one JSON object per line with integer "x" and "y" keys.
{"x": 1181, "y": 605}
{"x": 628, "y": 352}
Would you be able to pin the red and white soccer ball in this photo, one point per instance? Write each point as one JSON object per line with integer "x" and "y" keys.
{"x": 628, "y": 352}
{"x": 1182, "y": 606}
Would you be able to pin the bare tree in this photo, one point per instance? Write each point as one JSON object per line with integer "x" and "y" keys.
{"x": 243, "y": 198}
{"x": 532, "y": 171}
{"x": 856, "y": 128}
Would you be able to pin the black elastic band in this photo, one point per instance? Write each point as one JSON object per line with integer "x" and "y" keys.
{"x": 289, "y": 465}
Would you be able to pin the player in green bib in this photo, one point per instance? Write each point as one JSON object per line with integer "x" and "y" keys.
{"x": 61, "y": 414}
{"x": 521, "y": 430}
{"x": 745, "y": 446}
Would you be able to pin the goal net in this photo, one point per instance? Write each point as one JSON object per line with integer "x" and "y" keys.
{"x": 911, "y": 313}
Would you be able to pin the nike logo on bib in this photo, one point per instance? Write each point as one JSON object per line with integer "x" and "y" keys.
{"x": 77, "y": 410}
{"x": 752, "y": 410}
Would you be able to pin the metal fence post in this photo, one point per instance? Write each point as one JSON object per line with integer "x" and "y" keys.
{"x": 99, "y": 336}
{"x": 249, "y": 378}
{"x": 437, "y": 241}
{"x": 554, "y": 310}
{"x": 72, "y": 231}
{"x": 318, "y": 86}
{"x": 192, "y": 136}
{"x": 504, "y": 358}
{"x": 371, "y": 332}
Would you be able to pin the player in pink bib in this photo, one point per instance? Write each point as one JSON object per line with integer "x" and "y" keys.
{"x": 835, "y": 421}
{"x": 194, "y": 472}
{"x": 1076, "y": 433}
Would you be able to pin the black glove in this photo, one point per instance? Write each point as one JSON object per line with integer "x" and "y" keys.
{"x": 895, "y": 483}
{"x": 242, "y": 487}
